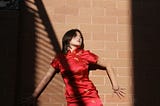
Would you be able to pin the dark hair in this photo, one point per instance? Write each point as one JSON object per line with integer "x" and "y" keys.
{"x": 67, "y": 38}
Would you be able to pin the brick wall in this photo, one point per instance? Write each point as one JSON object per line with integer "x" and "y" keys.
{"x": 105, "y": 25}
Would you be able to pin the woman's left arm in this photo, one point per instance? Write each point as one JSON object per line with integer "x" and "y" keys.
{"x": 115, "y": 86}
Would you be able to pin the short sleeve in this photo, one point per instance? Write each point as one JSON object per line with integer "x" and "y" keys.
{"x": 55, "y": 63}
{"x": 90, "y": 57}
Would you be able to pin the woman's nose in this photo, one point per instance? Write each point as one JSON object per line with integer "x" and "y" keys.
{"x": 78, "y": 38}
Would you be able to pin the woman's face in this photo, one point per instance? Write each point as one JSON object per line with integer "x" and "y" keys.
{"x": 76, "y": 41}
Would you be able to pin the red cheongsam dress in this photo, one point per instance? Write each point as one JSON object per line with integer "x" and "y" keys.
{"x": 73, "y": 67}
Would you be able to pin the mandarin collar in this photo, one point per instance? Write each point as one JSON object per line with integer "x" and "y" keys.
{"x": 74, "y": 51}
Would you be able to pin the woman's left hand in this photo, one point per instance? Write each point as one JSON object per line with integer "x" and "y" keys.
{"x": 120, "y": 92}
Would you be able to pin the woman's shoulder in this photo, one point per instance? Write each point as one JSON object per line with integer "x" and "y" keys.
{"x": 59, "y": 56}
{"x": 87, "y": 53}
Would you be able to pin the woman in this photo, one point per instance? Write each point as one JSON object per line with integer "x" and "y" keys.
{"x": 73, "y": 64}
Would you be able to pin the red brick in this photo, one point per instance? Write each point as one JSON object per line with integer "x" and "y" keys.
{"x": 114, "y": 98}
{"x": 92, "y": 11}
{"x": 63, "y": 28}
{"x": 99, "y": 73}
{"x": 94, "y": 28}
{"x": 124, "y": 71}
{"x": 118, "y": 62}
{"x": 118, "y": 28}
{"x": 77, "y": 19}
{"x": 104, "y": 20}
{"x": 96, "y": 45}
{"x": 79, "y": 3}
{"x": 109, "y": 4}
{"x": 124, "y": 36}
{"x": 54, "y": 3}
{"x": 66, "y": 10}
{"x": 124, "y": 4}
{"x": 104, "y": 89}
{"x": 58, "y": 18}
{"x": 97, "y": 80}
{"x": 117, "y": 46}
{"x": 108, "y": 36}
{"x": 124, "y": 54}
{"x": 117, "y": 12}
{"x": 124, "y": 20}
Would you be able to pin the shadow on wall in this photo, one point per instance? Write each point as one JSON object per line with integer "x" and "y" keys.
{"x": 8, "y": 55}
{"x": 37, "y": 44}
{"x": 146, "y": 52}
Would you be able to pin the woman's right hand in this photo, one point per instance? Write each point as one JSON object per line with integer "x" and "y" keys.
{"x": 29, "y": 101}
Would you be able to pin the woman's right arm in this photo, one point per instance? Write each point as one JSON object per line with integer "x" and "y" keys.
{"x": 43, "y": 83}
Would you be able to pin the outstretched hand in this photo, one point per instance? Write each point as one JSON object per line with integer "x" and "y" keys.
{"x": 120, "y": 92}
{"x": 29, "y": 101}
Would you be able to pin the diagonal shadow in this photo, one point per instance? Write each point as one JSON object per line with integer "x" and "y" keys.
{"x": 28, "y": 48}
{"x": 26, "y": 53}
{"x": 56, "y": 45}
{"x": 48, "y": 26}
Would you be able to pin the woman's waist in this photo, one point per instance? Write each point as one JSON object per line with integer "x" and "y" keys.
{"x": 80, "y": 94}
{"x": 80, "y": 87}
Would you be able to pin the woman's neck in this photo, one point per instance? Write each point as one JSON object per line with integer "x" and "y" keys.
{"x": 73, "y": 48}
